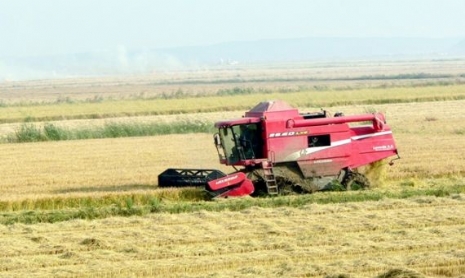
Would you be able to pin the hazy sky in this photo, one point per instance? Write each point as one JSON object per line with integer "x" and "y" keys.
{"x": 39, "y": 27}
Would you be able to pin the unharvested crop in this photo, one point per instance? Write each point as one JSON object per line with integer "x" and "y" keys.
{"x": 141, "y": 107}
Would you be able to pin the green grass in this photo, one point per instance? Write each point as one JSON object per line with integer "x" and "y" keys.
{"x": 188, "y": 200}
{"x": 29, "y": 132}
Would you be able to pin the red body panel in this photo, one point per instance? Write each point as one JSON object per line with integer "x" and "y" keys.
{"x": 236, "y": 183}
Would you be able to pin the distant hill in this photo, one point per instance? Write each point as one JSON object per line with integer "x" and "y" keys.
{"x": 306, "y": 49}
{"x": 130, "y": 61}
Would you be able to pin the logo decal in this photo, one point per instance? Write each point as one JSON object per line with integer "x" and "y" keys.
{"x": 288, "y": 133}
{"x": 383, "y": 148}
{"x": 226, "y": 179}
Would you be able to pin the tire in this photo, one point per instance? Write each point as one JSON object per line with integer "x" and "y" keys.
{"x": 355, "y": 181}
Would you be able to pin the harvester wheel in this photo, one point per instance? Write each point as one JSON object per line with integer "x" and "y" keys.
{"x": 355, "y": 181}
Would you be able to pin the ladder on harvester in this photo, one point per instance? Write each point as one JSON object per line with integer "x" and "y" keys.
{"x": 270, "y": 179}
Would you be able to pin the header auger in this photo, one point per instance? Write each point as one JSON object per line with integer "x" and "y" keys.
{"x": 280, "y": 151}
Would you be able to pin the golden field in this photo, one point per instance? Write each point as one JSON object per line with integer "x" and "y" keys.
{"x": 420, "y": 235}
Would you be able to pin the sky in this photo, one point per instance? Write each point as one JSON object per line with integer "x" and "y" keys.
{"x": 44, "y": 27}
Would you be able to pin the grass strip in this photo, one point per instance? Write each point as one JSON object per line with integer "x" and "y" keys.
{"x": 189, "y": 200}
{"x": 29, "y": 132}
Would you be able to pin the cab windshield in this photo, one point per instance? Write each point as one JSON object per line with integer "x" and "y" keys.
{"x": 241, "y": 142}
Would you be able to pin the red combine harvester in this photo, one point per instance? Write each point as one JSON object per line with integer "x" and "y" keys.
{"x": 281, "y": 151}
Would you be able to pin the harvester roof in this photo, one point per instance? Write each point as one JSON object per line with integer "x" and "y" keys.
{"x": 272, "y": 109}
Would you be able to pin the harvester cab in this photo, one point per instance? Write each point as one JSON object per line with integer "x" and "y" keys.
{"x": 280, "y": 150}
{"x": 239, "y": 143}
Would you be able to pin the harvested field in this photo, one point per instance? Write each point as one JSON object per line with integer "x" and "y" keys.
{"x": 366, "y": 239}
